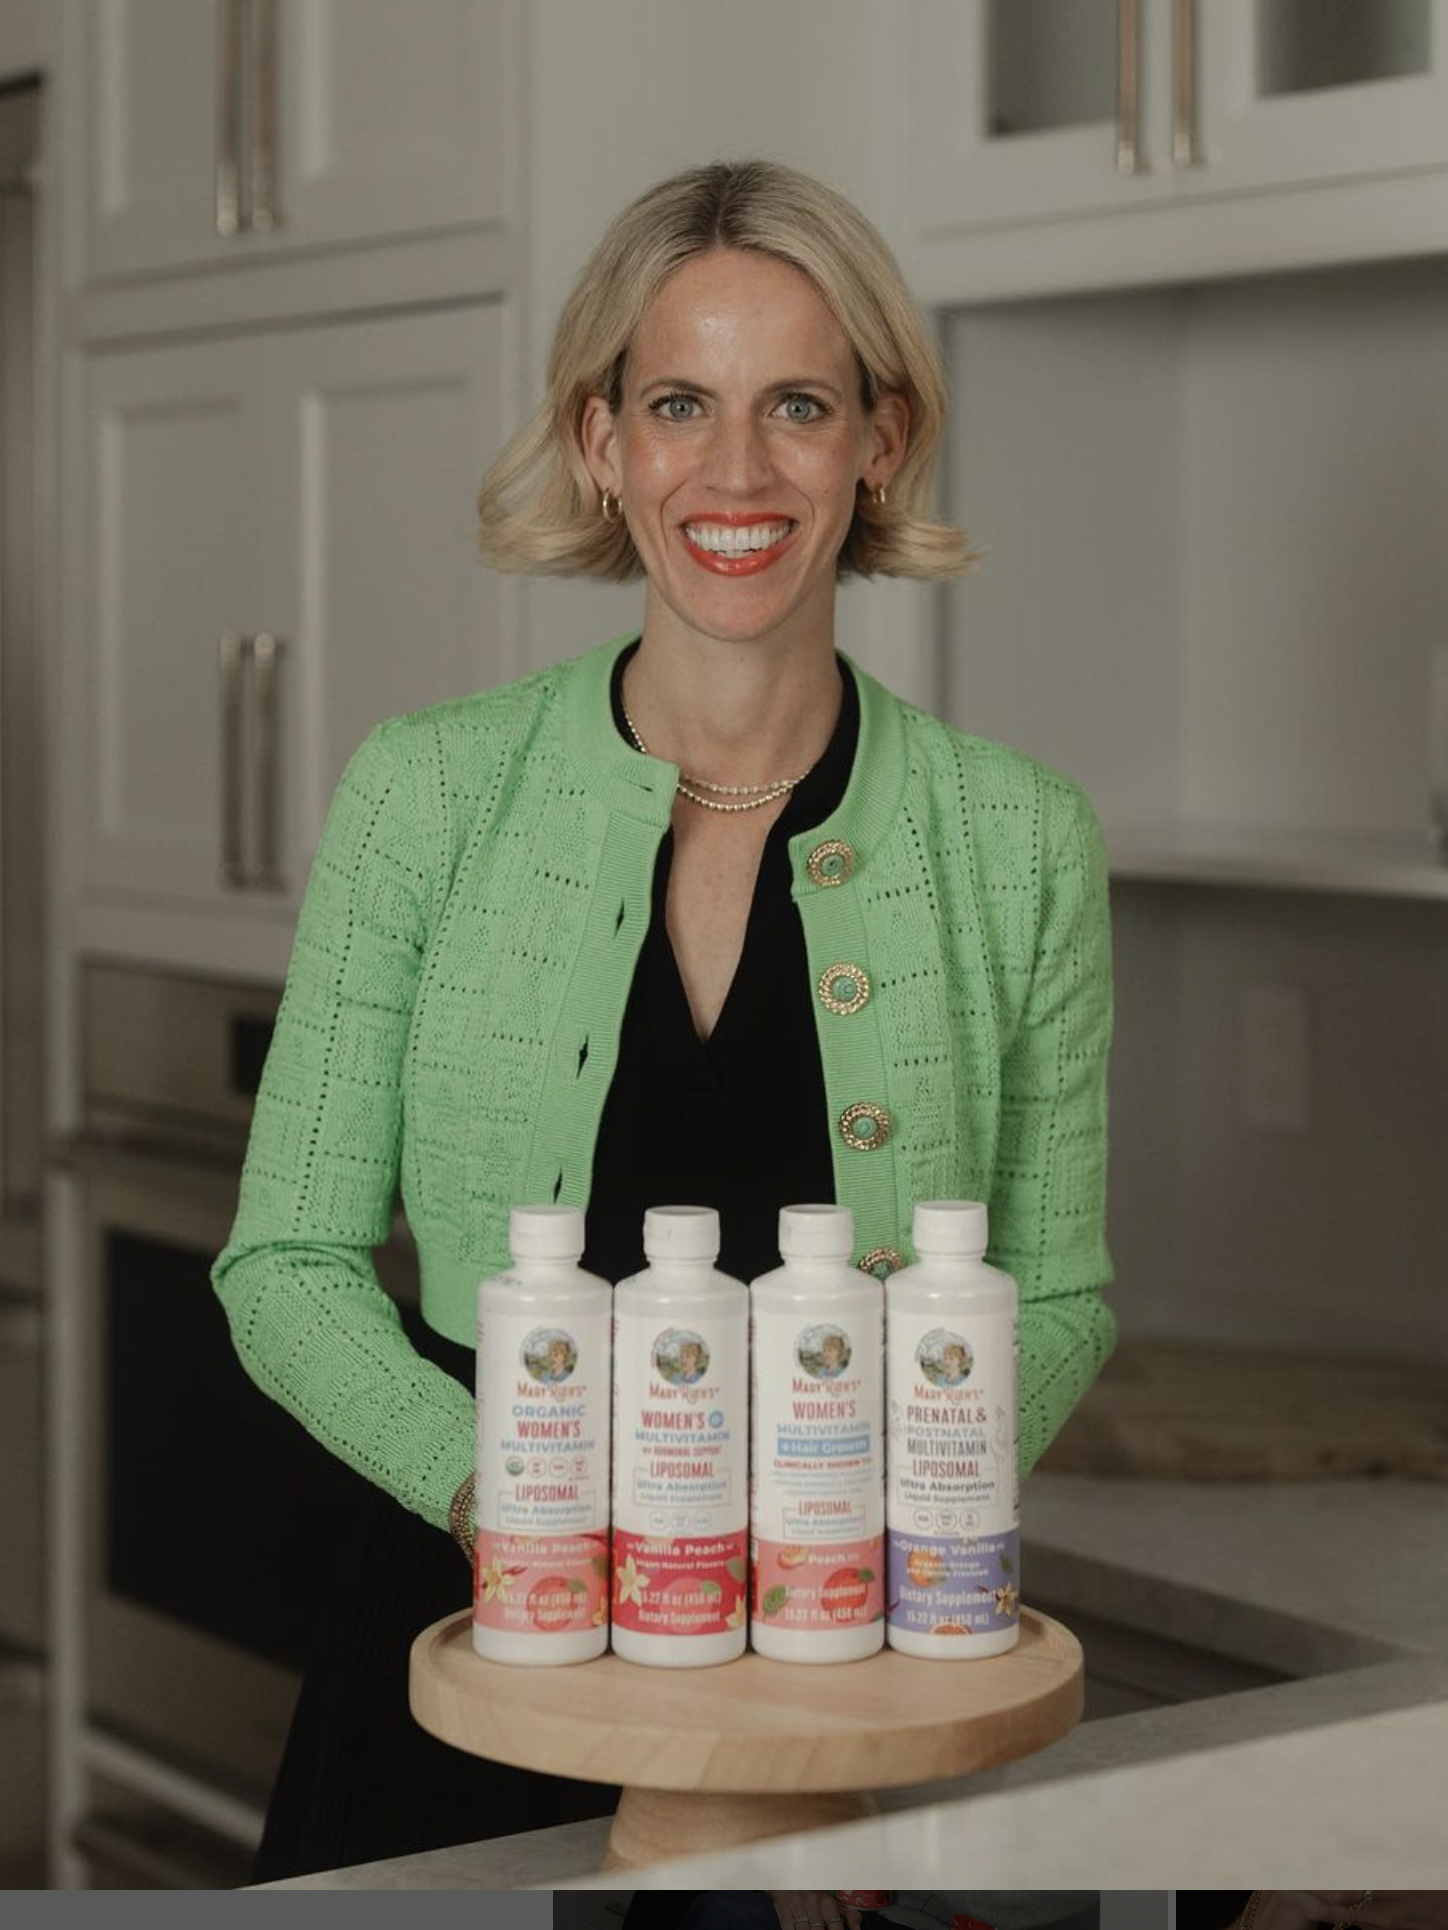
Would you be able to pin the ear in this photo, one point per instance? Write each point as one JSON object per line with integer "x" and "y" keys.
{"x": 889, "y": 436}
{"x": 598, "y": 437}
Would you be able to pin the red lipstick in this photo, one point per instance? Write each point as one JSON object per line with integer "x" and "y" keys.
{"x": 742, "y": 562}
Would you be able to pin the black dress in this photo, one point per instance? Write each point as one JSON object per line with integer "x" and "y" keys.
{"x": 359, "y": 1779}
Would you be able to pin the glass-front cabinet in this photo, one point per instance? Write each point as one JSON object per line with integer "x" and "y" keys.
{"x": 1297, "y": 91}
{"x": 1032, "y": 109}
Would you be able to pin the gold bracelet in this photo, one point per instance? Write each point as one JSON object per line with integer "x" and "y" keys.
{"x": 460, "y": 1518}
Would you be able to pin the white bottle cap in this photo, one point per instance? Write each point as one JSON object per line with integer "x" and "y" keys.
{"x": 954, "y": 1227}
{"x": 546, "y": 1233}
{"x": 681, "y": 1233}
{"x": 816, "y": 1232}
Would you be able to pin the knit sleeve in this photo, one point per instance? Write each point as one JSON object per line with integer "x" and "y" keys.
{"x": 1048, "y": 1204}
{"x": 312, "y": 1324}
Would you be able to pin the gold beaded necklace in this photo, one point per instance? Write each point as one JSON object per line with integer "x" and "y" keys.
{"x": 753, "y": 795}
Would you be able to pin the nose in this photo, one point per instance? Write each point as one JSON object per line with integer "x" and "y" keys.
{"x": 738, "y": 460}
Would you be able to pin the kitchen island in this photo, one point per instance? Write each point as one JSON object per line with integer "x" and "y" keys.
{"x": 1339, "y": 1587}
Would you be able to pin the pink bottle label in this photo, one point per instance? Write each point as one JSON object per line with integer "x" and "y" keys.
{"x": 540, "y": 1584}
{"x": 686, "y": 1585}
{"x": 827, "y": 1585}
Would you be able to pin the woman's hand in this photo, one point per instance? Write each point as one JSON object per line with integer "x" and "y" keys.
{"x": 814, "y": 1910}
{"x": 1383, "y": 1910}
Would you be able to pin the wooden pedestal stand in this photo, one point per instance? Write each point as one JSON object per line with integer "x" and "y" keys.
{"x": 709, "y": 1758}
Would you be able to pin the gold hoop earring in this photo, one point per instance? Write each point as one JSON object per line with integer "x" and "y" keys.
{"x": 877, "y": 496}
{"x": 614, "y": 514}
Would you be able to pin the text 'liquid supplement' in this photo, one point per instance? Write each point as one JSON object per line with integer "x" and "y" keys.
{"x": 817, "y": 1515}
{"x": 681, "y": 1446}
{"x": 952, "y": 1512}
{"x": 540, "y": 1566}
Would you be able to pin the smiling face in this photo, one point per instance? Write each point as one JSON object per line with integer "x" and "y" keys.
{"x": 739, "y": 447}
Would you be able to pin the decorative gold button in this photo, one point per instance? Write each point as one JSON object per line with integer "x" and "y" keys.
{"x": 864, "y": 1126}
{"x": 832, "y": 862}
{"x": 881, "y": 1260}
{"x": 843, "y": 989}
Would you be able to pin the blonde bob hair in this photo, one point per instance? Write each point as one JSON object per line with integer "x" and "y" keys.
{"x": 538, "y": 507}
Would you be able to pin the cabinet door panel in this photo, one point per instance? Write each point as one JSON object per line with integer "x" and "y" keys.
{"x": 174, "y": 549}
{"x": 377, "y": 437}
{"x": 1018, "y": 103}
{"x": 153, "y": 76}
{"x": 394, "y": 118}
{"x": 1291, "y": 94}
{"x": 385, "y": 120}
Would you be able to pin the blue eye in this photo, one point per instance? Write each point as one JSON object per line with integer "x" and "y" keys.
{"x": 665, "y": 405}
{"x": 795, "y": 403}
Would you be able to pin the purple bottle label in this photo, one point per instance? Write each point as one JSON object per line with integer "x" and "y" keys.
{"x": 953, "y": 1584}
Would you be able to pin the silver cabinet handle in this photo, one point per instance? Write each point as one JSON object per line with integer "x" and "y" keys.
{"x": 228, "y": 118}
{"x": 263, "y": 156}
{"x": 231, "y": 649}
{"x": 1128, "y": 87}
{"x": 250, "y": 762}
{"x": 1184, "y": 83}
{"x": 266, "y": 761}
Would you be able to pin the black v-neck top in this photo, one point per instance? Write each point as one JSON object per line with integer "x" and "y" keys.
{"x": 736, "y": 1121}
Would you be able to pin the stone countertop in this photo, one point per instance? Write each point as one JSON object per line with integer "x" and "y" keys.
{"x": 1365, "y": 1792}
{"x": 1342, "y": 1585}
{"x": 1297, "y": 1575}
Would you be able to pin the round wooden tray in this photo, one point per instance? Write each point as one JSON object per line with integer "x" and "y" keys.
{"x": 753, "y": 1748}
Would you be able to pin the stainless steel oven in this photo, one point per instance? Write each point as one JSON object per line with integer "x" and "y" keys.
{"x": 212, "y": 1522}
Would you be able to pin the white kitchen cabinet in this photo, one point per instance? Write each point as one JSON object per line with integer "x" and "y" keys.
{"x": 378, "y": 434}
{"x": 1030, "y": 110}
{"x": 314, "y": 487}
{"x": 1027, "y": 110}
{"x": 173, "y": 550}
{"x": 222, "y": 129}
{"x": 1297, "y": 92}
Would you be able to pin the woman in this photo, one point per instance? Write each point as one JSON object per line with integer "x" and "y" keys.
{"x": 705, "y": 914}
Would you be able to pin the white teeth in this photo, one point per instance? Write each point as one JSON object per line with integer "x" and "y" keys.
{"x": 727, "y": 541}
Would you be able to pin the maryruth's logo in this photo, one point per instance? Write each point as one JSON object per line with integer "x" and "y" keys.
{"x": 549, "y": 1354}
{"x": 823, "y": 1351}
{"x": 945, "y": 1359}
{"x": 680, "y": 1356}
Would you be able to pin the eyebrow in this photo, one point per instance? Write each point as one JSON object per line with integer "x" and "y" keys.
{"x": 773, "y": 388}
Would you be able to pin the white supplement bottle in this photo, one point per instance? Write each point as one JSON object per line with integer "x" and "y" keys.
{"x": 540, "y": 1570}
{"x": 817, "y": 1460}
{"x": 681, "y": 1444}
{"x": 952, "y": 1500}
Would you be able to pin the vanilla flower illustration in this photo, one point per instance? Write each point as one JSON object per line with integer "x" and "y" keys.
{"x": 494, "y": 1580}
{"x": 631, "y": 1584}
{"x": 1006, "y": 1598}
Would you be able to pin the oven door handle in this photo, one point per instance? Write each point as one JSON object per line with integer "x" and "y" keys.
{"x": 137, "y": 1155}
{"x": 167, "y": 1856}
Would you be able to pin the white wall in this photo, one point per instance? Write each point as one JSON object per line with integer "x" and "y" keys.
{"x": 624, "y": 95}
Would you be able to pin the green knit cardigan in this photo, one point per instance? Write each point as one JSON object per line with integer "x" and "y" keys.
{"x": 451, "y": 1023}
